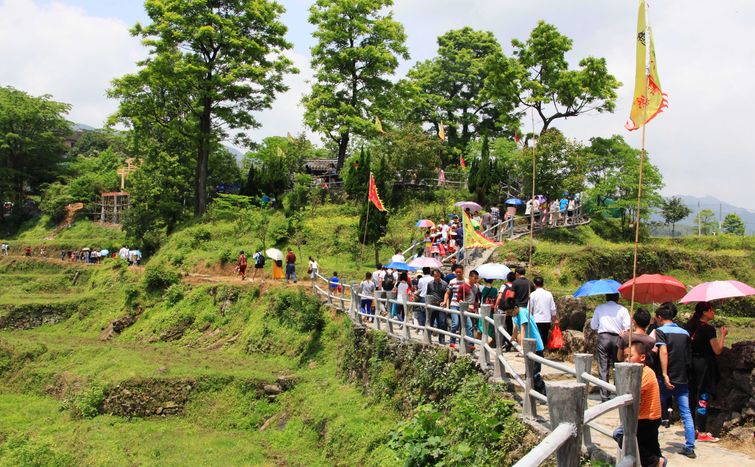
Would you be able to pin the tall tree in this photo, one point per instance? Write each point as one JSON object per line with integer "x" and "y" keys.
{"x": 449, "y": 87}
{"x": 733, "y": 224}
{"x": 31, "y": 141}
{"x": 547, "y": 85}
{"x": 673, "y": 210}
{"x": 357, "y": 50}
{"x": 214, "y": 62}
{"x": 706, "y": 221}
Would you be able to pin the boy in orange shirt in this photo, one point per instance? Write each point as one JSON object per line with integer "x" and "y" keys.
{"x": 649, "y": 416}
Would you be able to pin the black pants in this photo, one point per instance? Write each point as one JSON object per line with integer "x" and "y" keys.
{"x": 537, "y": 377}
{"x": 647, "y": 441}
{"x": 508, "y": 324}
{"x": 437, "y": 319}
{"x": 544, "y": 329}
{"x": 608, "y": 346}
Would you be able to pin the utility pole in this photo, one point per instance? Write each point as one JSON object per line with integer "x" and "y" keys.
{"x": 699, "y": 227}
{"x": 720, "y": 220}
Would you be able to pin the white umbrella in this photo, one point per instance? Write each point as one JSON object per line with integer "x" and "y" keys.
{"x": 495, "y": 271}
{"x": 274, "y": 253}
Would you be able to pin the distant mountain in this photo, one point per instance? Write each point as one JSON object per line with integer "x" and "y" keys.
{"x": 717, "y": 206}
{"x": 82, "y": 126}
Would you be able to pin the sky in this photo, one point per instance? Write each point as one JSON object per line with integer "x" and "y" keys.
{"x": 72, "y": 49}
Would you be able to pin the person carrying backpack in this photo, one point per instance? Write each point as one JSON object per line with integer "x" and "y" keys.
{"x": 241, "y": 265}
{"x": 504, "y": 303}
{"x": 259, "y": 264}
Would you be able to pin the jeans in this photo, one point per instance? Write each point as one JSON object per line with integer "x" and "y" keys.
{"x": 419, "y": 312}
{"x": 438, "y": 320}
{"x": 290, "y": 272}
{"x": 681, "y": 394}
{"x": 366, "y": 306}
{"x": 456, "y": 323}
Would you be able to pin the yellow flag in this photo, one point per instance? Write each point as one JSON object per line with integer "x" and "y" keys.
{"x": 473, "y": 238}
{"x": 442, "y": 132}
{"x": 648, "y": 100}
{"x": 280, "y": 151}
{"x": 291, "y": 138}
{"x": 379, "y": 126}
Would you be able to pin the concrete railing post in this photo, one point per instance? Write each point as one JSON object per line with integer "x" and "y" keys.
{"x": 389, "y": 311}
{"x": 499, "y": 370}
{"x": 407, "y": 332}
{"x": 583, "y": 364}
{"x": 343, "y": 297}
{"x": 378, "y": 297}
{"x": 530, "y": 403}
{"x": 463, "y": 307}
{"x": 628, "y": 381}
{"x": 427, "y": 334}
{"x": 356, "y": 302}
{"x": 483, "y": 351}
{"x": 566, "y": 404}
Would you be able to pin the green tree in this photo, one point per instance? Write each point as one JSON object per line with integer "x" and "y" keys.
{"x": 557, "y": 166}
{"x": 449, "y": 87}
{"x": 546, "y": 83}
{"x": 358, "y": 47}
{"x": 611, "y": 168}
{"x": 733, "y": 224}
{"x": 211, "y": 63}
{"x": 31, "y": 142}
{"x": 673, "y": 210}
{"x": 706, "y": 221}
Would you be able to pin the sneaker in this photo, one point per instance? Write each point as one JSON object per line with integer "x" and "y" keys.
{"x": 665, "y": 423}
{"x": 707, "y": 437}
{"x": 688, "y": 452}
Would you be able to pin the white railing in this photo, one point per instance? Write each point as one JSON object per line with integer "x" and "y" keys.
{"x": 571, "y": 420}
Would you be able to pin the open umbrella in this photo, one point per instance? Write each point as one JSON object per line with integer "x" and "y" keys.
{"x": 598, "y": 287}
{"x": 104, "y": 252}
{"x": 717, "y": 290}
{"x": 514, "y": 201}
{"x": 425, "y": 262}
{"x": 398, "y": 266}
{"x": 274, "y": 253}
{"x": 494, "y": 271}
{"x": 471, "y": 205}
{"x": 425, "y": 223}
{"x": 653, "y": 288}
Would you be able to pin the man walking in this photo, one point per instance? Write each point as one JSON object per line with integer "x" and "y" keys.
{"x": 452, "y": 301}
{"x": 290, "y": 266}
{"x": 543, "y": 308}
{"x": 610, "y": 319}
{"x": 436, "y": 292}
{"x": 259, "y": 265}
{"x": 675, "y": 356}
{"x": 422, "y": 283}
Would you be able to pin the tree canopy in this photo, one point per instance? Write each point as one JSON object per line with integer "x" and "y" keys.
{"x": 673, "y": 210}
{"x": 733, "y": 224}
{"x": 357, "y": 50}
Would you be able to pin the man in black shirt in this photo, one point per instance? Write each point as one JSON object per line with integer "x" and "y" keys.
{"x": 522, "y": 288}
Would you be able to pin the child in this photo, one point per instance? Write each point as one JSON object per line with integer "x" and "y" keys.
{"x": 334, "y": 285}
{"x": 241, "y": 265}
{"x": 649, "y": 416}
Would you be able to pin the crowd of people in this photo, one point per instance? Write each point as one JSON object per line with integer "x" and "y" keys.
{"x": 680, "y": 363}
{"x": 84, "y": 255}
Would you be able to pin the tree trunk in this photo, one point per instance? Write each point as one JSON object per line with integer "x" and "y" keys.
{"x": 343, "y": 144}
{"x": 203, "y": 157}
{"x": 673, "y": 224}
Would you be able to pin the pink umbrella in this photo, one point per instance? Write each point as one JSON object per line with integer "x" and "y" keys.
{"x": 717, "y": 290}
{"x": 425, "y": 261}
{"x": 425, "y": 223}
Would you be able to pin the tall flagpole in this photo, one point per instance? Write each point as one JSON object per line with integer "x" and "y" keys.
{"x": 639, "y": 193}
{"x": 366, "y": 222}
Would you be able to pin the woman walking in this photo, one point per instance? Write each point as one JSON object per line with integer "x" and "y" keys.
{"x": 705, "y": 347}
{"x": 365, "y": 304}
{"x": 313, "y": 268}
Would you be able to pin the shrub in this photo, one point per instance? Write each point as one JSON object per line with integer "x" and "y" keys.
{"x": 298, "y": 310}
{"x": 88, "y": 403}
{"x": 160, "y": 277}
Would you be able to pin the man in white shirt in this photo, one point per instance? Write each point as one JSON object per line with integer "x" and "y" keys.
{"x": 543, "y": 308}
{"x": 398, "y": 257}
{"x": 610, "y": 319}
{"x": 123, "y": 253}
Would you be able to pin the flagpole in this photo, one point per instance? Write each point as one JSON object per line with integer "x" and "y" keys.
{"x": 639, "y": 194}
{"x": 366, "y": 223}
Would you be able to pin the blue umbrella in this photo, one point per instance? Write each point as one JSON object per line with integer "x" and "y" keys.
{"x": 398, "y": 266}
{"x": 514, "y": 201}
{"x": 598, "y": 287}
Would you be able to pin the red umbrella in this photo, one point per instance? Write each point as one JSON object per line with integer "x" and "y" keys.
{"x": 653, "y": 288}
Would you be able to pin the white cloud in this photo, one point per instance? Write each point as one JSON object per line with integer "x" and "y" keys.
{"x": 60, "y": 50}
{"x": 701, "y": 144}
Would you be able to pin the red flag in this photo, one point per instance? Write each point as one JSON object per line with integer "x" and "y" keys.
{"x": 373, "y": 195}
{"x": 516, "y": 137}
{"x": 461, "y": 162}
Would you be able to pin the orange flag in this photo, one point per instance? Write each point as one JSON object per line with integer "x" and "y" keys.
{"x": 462, "y": 163}
{"x": 373, "y": 195}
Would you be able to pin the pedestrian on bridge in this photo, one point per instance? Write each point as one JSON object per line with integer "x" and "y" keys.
{"x": 543, "y": 308}
{"x": 610, "y": 319}
{"x": 436, "y": 293}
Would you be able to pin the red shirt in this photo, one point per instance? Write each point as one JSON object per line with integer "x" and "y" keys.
{"x": 290, "y": 258}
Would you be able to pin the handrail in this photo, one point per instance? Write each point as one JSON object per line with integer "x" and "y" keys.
{"x": 548, "y": 445}
{"x": 627, "y": 376}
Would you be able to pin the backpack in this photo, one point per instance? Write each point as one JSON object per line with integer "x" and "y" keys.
{"x": 259, "y": 259}
{"x": 389, "y": 282}
{"x": 508, "y": 302}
